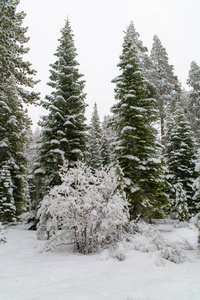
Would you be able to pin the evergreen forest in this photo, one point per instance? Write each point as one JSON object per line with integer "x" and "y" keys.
{"x": 92, "y": 183}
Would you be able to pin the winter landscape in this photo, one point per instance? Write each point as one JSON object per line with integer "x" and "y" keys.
{"x": 105, "y": 210}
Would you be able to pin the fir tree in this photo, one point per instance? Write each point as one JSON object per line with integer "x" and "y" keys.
{"x": 196, "y": 185}
{"x": 137, "y": 149}
{"x": 181, "y": 156}
{"x": 7, "y": 203}
{"x": 180, "y": 207}
{"x": 140, "y": 49}
{"x": 15, "y": 74}
{"x": 36, "y": 185}
{"x": 94, "y": 141}
{"x": 194, "y": 99}
{"x": 105, "y": 150}
{"x": 12, "y": 40}
{"x": 167, "y": 88}
{"x": 95, "y": 122}
{"x": 110, "y": 140}
{"x": 63, "y": 129}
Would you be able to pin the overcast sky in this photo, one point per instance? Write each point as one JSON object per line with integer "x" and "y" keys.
{"x": 99, "y": 28}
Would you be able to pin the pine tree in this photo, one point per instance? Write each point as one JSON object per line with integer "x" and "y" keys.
{"x": 110, "y": 140}
{"x": 12, "y": 40}
{"x": 180, "y": 207}
{"x": 181, "y": 156}
{"x": 167, "y": 88}
{"x": 63, "y": 129}
{"x": 196, "y": 184}
{"x": 7, "y": 203}
{"x": 137, "y": 149}
{"x": 94, "y": 141}
{"x": 15, "y": 74}
{"x": 105, "y": 150}
{"x": 95, "y": 122}
{"x": 140, "y": 49}
{"x": 194, "y": 99}
{"x": 36, "y": 185}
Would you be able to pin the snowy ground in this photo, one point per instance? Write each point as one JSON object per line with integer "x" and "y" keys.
{"x": 26, "y": 273}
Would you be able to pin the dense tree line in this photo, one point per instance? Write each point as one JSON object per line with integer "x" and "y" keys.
{"x": 154, "y": 164}
{"x": 15, "y": 75}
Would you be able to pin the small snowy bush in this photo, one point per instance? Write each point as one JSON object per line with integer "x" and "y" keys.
{"x": 155, "y": 241}
{"x": 118, "y": 251}
{"x": 173, "y": 253}
{"x": 153, "y": 238}
{"x": 88, "y": 207}
{"x": 181, "y": 225}
{"x": 2, "y": 234}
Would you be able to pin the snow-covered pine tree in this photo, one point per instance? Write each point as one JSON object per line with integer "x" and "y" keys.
{"x": 12, "y": 40}
{"x": 137, "y": 149}
{"x": 180, "y": 206}
{"x": 194, "y": 99}
{"x": 63, "y": 129}
{"x": 94, "y": 158}
{"x": 167, "y": 89}
{"x": 181, "y": 156}
{"x": 15, "y": 74}
{"x": 110, "y": 139}
{"x": 105, "y": 150}
{"x": 140, "y": 49}
{"x": 7, "y": 203}
{"x": 36, "y": 186}
{"x": 196, "y": 184}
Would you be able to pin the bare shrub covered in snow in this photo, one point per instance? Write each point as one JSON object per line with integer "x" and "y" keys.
{"x": 88, "y": 208}
{"x": 181, "y": 225}
{"x": 173, "y": 253}
{"x": 149, "y": 239}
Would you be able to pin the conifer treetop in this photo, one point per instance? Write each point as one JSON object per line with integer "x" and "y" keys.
{"x": 194, "y": 76}
{"x": 12, "y": 40}
{"x": 63, "y": 127}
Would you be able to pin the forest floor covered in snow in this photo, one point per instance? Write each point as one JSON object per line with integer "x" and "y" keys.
{"x": 28, "y": 273}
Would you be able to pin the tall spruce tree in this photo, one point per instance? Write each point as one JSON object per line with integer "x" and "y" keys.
{"x": 167, "y": 89}
{"x": 110, "y": 139}
{"x": 181, "y": 157}
{"x": 196, "y": 185}
{"x": 36, "y": 185}
{"x": 180, "y": 207}
{"x": 137, "y": 148}
{"x": 63, "y": 129}
{"x": 15, "y": 74}
{"x": 94, "y": 141}
{"x": 194, "y": 99}
{"x": 105, "y": 150}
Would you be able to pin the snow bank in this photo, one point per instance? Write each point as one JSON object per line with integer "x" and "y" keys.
{"x": 28, "y": 274}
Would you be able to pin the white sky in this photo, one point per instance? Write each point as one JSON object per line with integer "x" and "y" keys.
{"x": 99, "y": 28}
